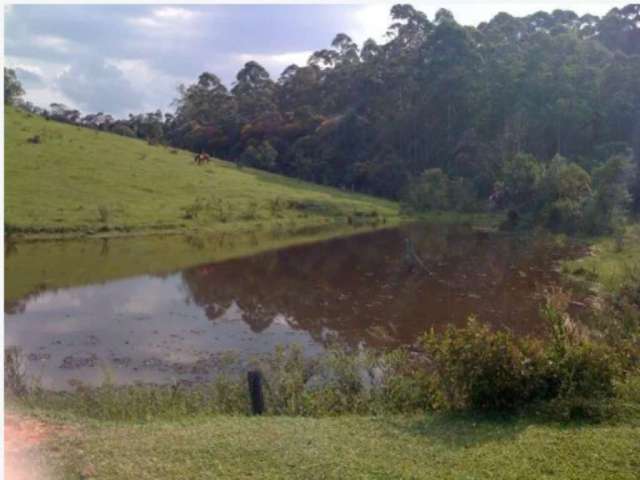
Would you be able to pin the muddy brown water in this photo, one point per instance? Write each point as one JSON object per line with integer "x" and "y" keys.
{"x": 361, "y": 291}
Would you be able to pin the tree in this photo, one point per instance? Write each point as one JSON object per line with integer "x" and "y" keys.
{"x": 346, "y": 49}
{"x": 12, "y": 88}
{"x": 206, "y": 116}
{"x": 430, "y": 191}
{"x": 564, "y": 191}
{"x": 253, "y": 92}
{"x": 620, "y": 29}
{"x": 521, "y": 178}
{"x": 607, "y": 208}
{"x": 636, "y": 164}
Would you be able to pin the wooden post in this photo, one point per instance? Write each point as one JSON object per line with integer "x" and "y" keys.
{"x": 254, "y": 378}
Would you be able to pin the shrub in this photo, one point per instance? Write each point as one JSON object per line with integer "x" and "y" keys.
{"x": 606, "y": 210}
{"x": 619, "y": 321}
{"x": 582, "y": 377}
{"x": 261, "y": 155}
{"x": 124, "y": 130}
{"x": 251, "y": 212}
{"x": 566, "y": 187}
{"x": 434, "y": 190}
{"x": 479, "y": 369}
{"x": 192, "y": 211}
{"x": 14, "y": 373}
{"x": 431, "y": 191}
{"x": 521, "y": 177}
{"x": 276, "y": 205}
{"x": 405, "y": 385}
{"x": 462, "y": 195}
{"x": 286, "y": 373}
{"x": 221, "y": 209}
{"x": 103, "y": 214}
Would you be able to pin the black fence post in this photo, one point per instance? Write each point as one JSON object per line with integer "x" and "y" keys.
{"x": 254, "y": 378}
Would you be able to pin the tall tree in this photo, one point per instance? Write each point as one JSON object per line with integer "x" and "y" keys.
{"x": 12, "y": 88}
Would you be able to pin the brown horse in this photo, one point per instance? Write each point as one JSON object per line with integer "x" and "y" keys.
{"x": 201, "y": 158}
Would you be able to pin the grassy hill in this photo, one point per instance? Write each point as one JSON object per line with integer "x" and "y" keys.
{"x": 63, "y": 179}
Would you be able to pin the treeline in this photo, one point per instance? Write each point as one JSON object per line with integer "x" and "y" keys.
{"x": 438, "y": 102}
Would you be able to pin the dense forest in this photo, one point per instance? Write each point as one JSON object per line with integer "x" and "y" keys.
{"x": 539, "y": 115}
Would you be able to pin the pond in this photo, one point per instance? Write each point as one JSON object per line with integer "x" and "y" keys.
{"x": 364, "y": 290}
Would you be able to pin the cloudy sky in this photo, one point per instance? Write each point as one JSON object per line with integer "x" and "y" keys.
{"x": 130, "y": 58}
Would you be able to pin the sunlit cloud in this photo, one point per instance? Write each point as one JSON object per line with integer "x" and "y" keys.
{"x": 169, "y": 18}
{"x": 173, "y": 13}
{"x": 276, "y": 61}
{"x": 371, "y": 21}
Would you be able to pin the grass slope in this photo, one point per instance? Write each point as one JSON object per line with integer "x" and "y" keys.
{"x": 610, "y": 261}
{"x": 396, "y": 447}
{"x": 81, "y": 180}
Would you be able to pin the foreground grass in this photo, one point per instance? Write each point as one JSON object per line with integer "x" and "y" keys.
{"x": 62, "y": 179}
{"x": 412, "y": 446}
{"x": 409, "y": 446}
{"x": 609, "y": 262}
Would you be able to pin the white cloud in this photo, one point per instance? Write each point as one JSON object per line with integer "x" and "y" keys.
{"x": 372, "y": 20}
{"x": 53, "y": 42}
{"x": 165, "y": 18}
{"x": 98, "y": 86}
{"x": 43, "y": 97}
{"x": 276, "y": 61}
{"x": 144, "y": 78}
{"x": 144, "y": 22}
{"x": 40, "y": 67}
{"x": 35, "y": 69}
{"x": 173, "y": 13}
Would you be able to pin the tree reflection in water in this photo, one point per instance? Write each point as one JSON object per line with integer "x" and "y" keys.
{"x": 360, "y": 287}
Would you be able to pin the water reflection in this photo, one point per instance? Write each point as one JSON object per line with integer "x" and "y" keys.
{"x": 357, "y": 290}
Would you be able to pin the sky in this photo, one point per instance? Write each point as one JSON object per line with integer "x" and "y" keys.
{"x": 122, "y": 59}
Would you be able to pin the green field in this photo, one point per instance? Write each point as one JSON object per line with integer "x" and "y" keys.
{"x": 395, "y": 447}
{"x": 65, "y": 180}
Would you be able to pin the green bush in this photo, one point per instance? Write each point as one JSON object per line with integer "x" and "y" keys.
{"x": 565, "y": 189}
{"x": 14, "y": 373}
{"x": 479, "y": 369}
{"x": 262, "y": 156}
{"x": 124, "y": 130}
{"x": 606, "y": 210}
{"x": 619, "y": 320}
{"x": 103, "y": 214}
{"x": 476, "y": 368}
{"x": 405, "y": 385}
{"x": 582, "y": 378}
{"x": 434, "y": 190}
{"x": 521, "y": 178}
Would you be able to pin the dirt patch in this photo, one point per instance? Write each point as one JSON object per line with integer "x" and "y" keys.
{"x": 24, "y": 440}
